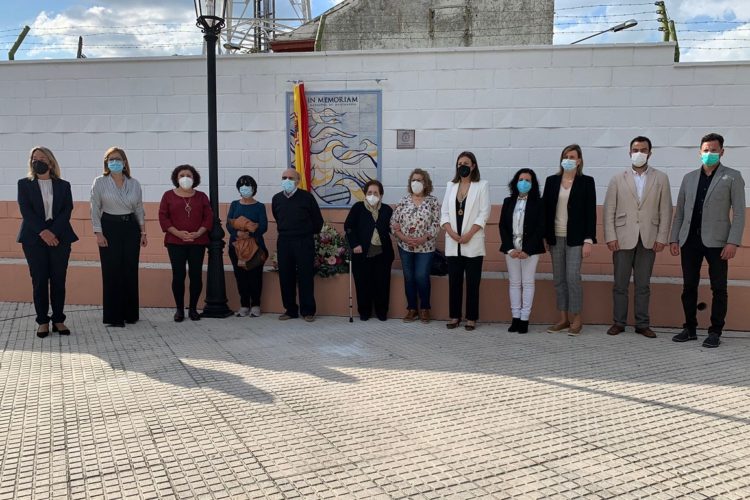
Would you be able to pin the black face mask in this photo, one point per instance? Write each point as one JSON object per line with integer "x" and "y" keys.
{"x": 464, "y": 170}
{"x": 40, "y": 167}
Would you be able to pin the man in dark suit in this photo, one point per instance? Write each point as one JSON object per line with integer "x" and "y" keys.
{"x": 703, "y": 228}
{"x": 46, "y": 204}
{"x": 298, "y": 220}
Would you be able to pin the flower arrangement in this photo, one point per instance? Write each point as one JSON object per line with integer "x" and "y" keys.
{"x": 330, "y": 252}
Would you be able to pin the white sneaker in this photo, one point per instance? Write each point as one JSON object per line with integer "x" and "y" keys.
{"x": 255, "y": 312}
{"x": 244, "y": 311}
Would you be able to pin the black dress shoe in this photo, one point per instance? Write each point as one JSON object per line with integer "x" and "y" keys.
{"x": 685, "y": 335}
{"x": 514, "y": 325}
{"x": 179, "y": 316}
{"x": 63, "y": 331}
{"x": 193, "y": 315}
{"x": 42, "y": 332}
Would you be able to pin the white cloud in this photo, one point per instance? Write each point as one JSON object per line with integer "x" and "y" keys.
{"x": 115, "y": 31}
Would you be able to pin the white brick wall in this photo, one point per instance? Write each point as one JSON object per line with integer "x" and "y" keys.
{"x": 514, "y": 107}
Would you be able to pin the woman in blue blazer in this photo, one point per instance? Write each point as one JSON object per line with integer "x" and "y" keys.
{"x": 46, "y": 203}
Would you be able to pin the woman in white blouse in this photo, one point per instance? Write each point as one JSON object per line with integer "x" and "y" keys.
{"x": 119, "y": 225}
{"x": 522, "y": 241}
{"x": 464, "y": 212}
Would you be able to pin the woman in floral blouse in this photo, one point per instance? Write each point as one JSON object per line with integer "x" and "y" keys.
{"x": 415, "y": 223}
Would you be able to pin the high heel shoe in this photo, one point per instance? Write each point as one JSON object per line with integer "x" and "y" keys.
{"x": 62, "y": 329}
{"x": 179, "y": 315}
{"x": 42, "y": 330}
{"x": 453, "y": 324}
{"x": 470, "y": 326}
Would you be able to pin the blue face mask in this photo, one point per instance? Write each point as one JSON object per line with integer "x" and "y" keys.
{"x": 710, "y": 159}
{"x": 523, "y": 186}
{"x": 287, "y": 185}
{"x": 246, "y": 191}
{"x": 568, "y": 164}
{"x": 115, "y": 166}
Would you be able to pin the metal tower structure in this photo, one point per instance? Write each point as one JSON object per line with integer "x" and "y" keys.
{"x": 252, "y": 24}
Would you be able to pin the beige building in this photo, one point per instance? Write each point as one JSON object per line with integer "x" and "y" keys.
{"x": 392, "y": 24}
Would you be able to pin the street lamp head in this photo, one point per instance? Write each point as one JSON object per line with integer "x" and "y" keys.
{"x": 623, "y": 26}
{"x": 210, "y": 15}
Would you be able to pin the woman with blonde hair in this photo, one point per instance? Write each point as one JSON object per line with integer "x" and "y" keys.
{"x": 46, "y": 204}
{"x": 570, "y": 233}
{"x": 119, "y": 225}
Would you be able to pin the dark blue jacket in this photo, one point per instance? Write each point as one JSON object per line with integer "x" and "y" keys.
{"x": 32, "y": 211}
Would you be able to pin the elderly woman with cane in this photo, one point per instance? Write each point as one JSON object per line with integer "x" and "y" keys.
{"x": 367, "y": 230}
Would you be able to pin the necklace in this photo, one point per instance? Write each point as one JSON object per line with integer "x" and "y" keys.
{"x": 461, "y": 205}
{"x": 188, "y": 208}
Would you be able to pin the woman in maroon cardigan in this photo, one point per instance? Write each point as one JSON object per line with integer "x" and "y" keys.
{"x": 186, "y": 218}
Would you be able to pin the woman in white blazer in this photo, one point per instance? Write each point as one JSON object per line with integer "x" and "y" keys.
{"x": 464, "y": 213}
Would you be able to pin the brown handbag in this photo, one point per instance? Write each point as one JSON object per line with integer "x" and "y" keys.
{"x": 249, "y": 253}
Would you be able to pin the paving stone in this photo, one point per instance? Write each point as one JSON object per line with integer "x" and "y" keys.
{"x": 257, "y": 408}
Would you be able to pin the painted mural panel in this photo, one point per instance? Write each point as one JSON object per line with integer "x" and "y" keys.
{"x": 345, "y": 143}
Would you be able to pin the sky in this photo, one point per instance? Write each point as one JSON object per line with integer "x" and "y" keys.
{"x": 708, "y": 30}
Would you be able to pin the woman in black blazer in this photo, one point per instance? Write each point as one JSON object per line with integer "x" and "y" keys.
{"x": 367, "y": 228}
{"x": 46, "y": 203}
{"x": 570, "y": 221}
{"x": 522, "y": 241}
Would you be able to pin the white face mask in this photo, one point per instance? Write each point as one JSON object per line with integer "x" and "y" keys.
{"x": 372, "y": 199}
{"x": 185, "y": 182}
{"x": 638, "y": 159}
{"x": 417, "y": 187}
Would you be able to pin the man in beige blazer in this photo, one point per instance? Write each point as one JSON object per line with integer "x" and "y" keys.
{"x": 637, "y": 214}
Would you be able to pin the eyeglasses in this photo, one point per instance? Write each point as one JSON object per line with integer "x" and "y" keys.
{"x": 284, "y": 178}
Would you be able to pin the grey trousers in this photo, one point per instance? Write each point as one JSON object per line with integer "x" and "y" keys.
{"x": 640, "y": 262}
{"x": 566, "y": 271}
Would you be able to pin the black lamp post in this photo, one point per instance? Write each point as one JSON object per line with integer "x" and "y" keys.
{"x": 614, "y": 29}
{"x": 211, "y": 21}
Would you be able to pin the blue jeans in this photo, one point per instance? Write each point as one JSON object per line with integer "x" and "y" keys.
{"x": 416, "y": 268}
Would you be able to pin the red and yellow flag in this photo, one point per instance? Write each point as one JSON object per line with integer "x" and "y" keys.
{"x": 301, "y": 137}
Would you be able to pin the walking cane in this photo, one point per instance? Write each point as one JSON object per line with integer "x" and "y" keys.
{"x": 351, "y": 318}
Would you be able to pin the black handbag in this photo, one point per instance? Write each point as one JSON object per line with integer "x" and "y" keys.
{"x": 439, "y": 264}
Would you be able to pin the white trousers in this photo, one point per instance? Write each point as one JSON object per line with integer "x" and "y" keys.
{"x": 521, "y": 274}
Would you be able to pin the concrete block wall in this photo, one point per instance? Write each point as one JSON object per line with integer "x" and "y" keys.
{"x": 513, "y": 106}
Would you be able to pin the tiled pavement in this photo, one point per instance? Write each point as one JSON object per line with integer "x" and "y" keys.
{"x": 258, "y": 408}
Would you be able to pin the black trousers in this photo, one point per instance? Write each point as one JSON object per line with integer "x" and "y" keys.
{"x": 48, "y": 267}
{"x": 119, "y": 261}
{"x": 249, "y": 283}
{"x": 192, "y": 256}
{"x": 296, "y": 257}
{"x": 692, "y": 254}
{"x": 372, "y": 280}
{"x": 457, "y": 266}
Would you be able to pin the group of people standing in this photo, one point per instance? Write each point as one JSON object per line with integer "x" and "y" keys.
{"x": 708, "y": 223}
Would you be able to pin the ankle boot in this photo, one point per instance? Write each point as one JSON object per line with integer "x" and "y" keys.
{"x": 514, "y": 325}
{"x": 523, "y": 326}
{"x": 576, "y": 324}
{"x": 411, "y": 315}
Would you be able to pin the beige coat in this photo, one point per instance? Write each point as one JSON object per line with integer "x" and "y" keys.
{"x": 625, "y": 219}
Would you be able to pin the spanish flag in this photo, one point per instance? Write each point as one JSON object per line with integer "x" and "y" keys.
{"x": 301, "y": 137}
